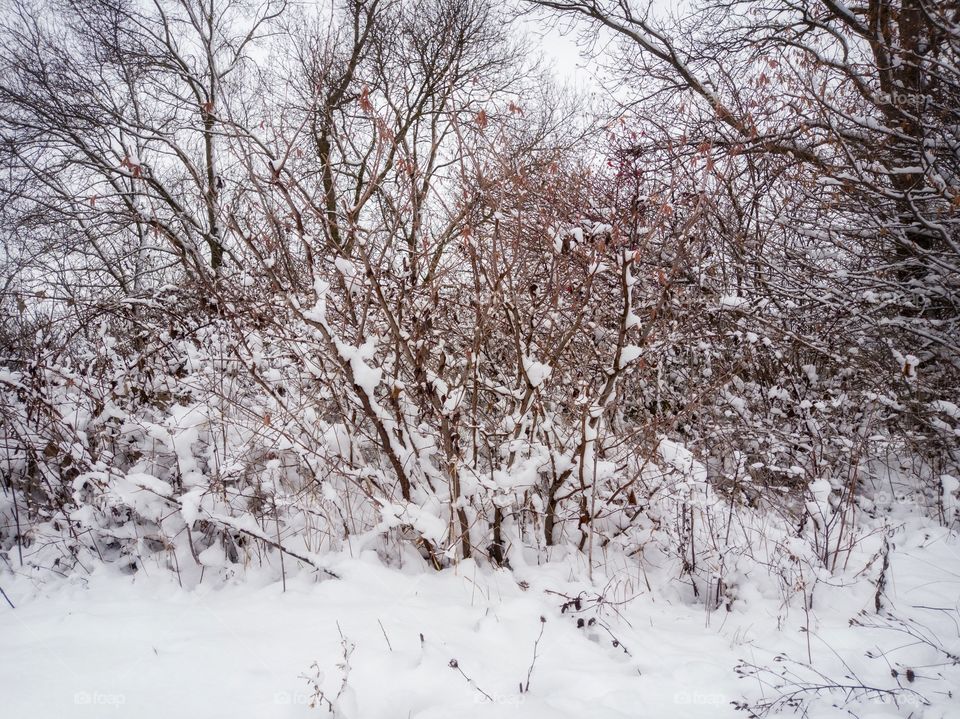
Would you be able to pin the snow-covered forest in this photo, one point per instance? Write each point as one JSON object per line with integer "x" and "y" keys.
{"x": 356, "y": 363}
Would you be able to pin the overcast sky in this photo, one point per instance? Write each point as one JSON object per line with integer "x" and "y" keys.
{"x": 557, "y": 40}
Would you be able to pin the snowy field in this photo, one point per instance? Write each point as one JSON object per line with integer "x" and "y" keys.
{"x": 455, "y": 359}
{"x": 461, "y": 643}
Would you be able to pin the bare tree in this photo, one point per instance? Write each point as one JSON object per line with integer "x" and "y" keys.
{"x": 838, "y": 227}
{"x": 113, "y": 120}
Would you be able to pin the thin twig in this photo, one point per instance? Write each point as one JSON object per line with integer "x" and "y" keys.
{"x": 543, "y": 625}
{"x": 7, "y": 598}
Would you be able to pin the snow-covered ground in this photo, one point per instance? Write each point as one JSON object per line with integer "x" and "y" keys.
{"x": 461, "y": 642}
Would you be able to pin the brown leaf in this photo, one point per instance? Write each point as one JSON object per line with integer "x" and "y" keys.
{"x": 364, "y": 101}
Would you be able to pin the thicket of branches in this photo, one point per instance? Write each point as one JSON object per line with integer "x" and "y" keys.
{"x": 278, "y": 283}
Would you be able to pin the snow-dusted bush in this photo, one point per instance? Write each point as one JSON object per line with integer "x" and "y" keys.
{"x": 382, "y": 293}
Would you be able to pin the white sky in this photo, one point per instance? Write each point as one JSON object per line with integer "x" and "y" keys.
{"x": 558, "y": 40}
{"x": 558, "y": 43}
